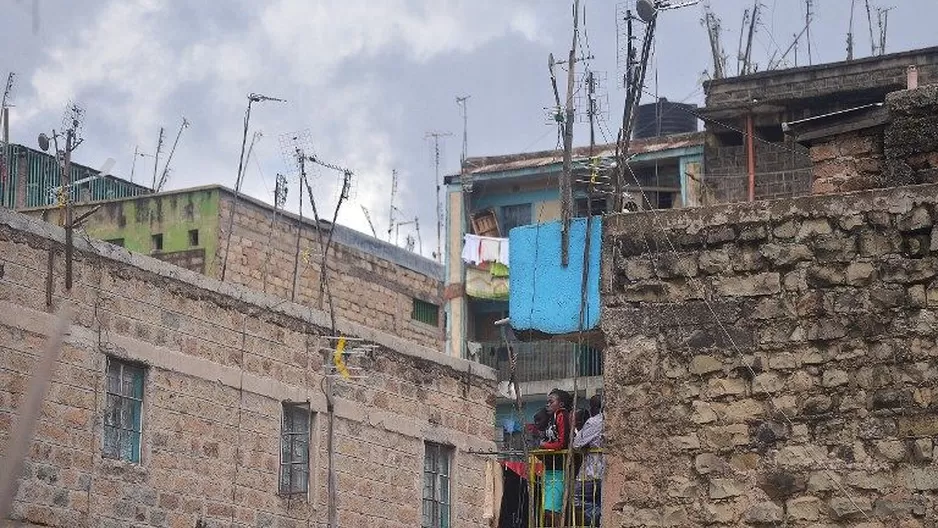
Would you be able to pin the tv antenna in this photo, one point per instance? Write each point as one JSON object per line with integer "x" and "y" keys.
{"x": 714, "y": 26}
{"x": 853, "y": 5}
{"x": 808, "y": 17}
{"x": 156, "y": 158}
{"x": 392, "y": 209}
{"x": 5, "y": 105}
{"x": 252, "y": 98}
{"x": 169, "y": 159}
{"x": 133, "y": 165}
{"x": 882, "y": 16}
{"x": 435, "y": 137}
{"x": 869, "y": 24}
{"x": 746, "y": 58}
{"x": 409, "y": 240}
{"x": 370, "y": 223}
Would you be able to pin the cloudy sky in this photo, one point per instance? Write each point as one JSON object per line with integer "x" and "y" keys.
{"x": 367, "y": 78}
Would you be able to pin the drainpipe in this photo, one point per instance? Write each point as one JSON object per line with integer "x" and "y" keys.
{"x": 751, "y": 157}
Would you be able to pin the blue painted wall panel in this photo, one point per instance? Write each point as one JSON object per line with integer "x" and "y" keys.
{"x": 544, "y": 295}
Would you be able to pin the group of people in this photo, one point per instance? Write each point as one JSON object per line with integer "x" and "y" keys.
{"x": 552, "y": 432}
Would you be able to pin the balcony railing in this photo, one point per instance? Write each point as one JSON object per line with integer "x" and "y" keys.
{"x": 543, "y": 360}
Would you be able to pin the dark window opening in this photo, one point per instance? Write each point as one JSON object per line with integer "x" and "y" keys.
{"x": 193, "y": 237}
{"x": 425, "y": 312}
{"x": 730, "y": 139}
{"x": 294, "y": 449}
{"x": 514, "y": 216}
{"x": 116, "y": 241}
{"x": 771, "y": 133}
{"x": 597, "y": 206}
{"x": 157, "y": 242}
{"x": 436, "y": 486}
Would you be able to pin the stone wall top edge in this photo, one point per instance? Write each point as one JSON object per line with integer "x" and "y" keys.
{"x": 252, "y": 301}
{"x": 351, "y": 238}
{"x": 767, "y": 211}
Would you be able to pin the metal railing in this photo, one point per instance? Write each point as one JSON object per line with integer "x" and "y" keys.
{"x": 543, "y": 360}
{"x": 561, "y": 492}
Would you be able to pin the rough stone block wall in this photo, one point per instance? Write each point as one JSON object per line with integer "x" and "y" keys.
{"x": 848, "y": 162}
{"x": 911, "y": 139}
{"x": 220, "y": 360}
{"x": 365, "y": 288}
{"x": 773, "y": 363}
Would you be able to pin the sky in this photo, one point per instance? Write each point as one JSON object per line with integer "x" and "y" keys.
{"x": 364, "y": 80}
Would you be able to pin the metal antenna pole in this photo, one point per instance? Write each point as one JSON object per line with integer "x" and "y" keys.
{"x": 391, "y": 209}
{"x": 156, "y": 158}
{"x": 853, "y": 5}
{"x": 165, "y": 175}
{"x": 807, "y": 23}
{"x": 252, "y": 98}
{"x": 739, "y": 52}
{"x": 566, "y": 180}
{"x": 869, "y": 23}
{"x": 438, "y": 256}
{"x": 461, "y": 101}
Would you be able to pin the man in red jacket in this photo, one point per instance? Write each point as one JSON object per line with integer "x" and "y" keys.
{"x": 557, "y": 439}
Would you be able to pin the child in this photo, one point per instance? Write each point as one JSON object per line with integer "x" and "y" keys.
{"x": 557, "y": 439}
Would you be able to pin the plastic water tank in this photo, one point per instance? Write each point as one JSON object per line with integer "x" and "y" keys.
{"x": 664, "y": 118}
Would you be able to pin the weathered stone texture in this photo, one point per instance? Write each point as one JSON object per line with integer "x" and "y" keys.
{"x": 220, "y": 360}
{"x": 802, "y": 393}
{"x": 365, "y": 288}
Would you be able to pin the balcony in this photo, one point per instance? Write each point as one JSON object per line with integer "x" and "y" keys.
{"x": 540, "y": 361}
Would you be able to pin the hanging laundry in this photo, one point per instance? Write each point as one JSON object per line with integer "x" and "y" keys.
{"x": 503, "y": 252}
{"x": 470, "y": 249}
{"x": 490, "y": 249}
{"x": 498, "y": 269}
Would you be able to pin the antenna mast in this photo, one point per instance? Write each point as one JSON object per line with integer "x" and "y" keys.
{"x": 392, "y": 208}
{"x": 808, "y": 15}
{"x": 438, "y": 256}
{"x": 156, "y": 158}
{"x": 747, "y": 61}
{"x": 370, "y": 223}
{"x": 882, "y": 14}
{"x": 869, "y": 23}
{"x": 5, "y": 121}
{"x": 739, "y": 52}
{"x": 853, "y": 5}
{"x": 716, "y": 49}
{"x": 461, "y": 101}
{"x": 169, "y": 159}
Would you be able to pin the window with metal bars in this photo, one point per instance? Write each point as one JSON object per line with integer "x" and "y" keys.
{"x": 437, "y": 479}
{"x": 123, "y": 416}
{"x": 294, "y": 449}
{"x": 514, "y": 216}
{"x": 426, "y": 312}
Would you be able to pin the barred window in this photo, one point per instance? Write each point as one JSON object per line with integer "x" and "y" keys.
{"x": 514, "y": 216}
{"x": 294, "y": 449}
{"x": 436, "y": 486}
{"x": 123, "y": 415}
{"x": 425, "y": 312}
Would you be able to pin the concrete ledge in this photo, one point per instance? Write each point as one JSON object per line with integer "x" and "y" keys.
{"x": 260, "y": 302}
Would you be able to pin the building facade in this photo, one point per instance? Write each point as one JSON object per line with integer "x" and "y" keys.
{"x": 269, "y": 250}
{"x": 494, "y": 195}
{"x": 747, "y": 152}
{"x": 182, "y": 401}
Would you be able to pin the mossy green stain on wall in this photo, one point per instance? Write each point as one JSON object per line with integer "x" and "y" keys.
{"x": 171, "y": 215}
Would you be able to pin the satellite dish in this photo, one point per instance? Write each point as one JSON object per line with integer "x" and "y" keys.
{"x": 646, "y": 10}
{"x": 44, "y": 142}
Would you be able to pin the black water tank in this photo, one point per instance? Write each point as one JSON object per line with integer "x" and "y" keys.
{"x": 664, "y": 118}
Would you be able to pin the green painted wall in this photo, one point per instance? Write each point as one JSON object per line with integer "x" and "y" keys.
{"x": 172, "y": 215}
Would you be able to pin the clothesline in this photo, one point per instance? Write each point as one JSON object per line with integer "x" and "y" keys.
{"x": 478, "y": 249}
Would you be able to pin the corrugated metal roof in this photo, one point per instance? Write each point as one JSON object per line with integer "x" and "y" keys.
{"x": 528, "y": 160}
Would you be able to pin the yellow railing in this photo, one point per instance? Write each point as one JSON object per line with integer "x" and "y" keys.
{"x": 560, "y": 489}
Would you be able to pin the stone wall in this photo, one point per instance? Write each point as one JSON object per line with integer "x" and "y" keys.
{"x": 366, "y": 288}
{"x": 783, "y": 169}
{"x": 848, "y": 162}
{"x": 778, "y": 367}
{"x": 220, "y": 360}
{"x": 911, "y": 139}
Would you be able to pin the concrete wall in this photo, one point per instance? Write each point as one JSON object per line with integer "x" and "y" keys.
{"x": 777, "y": 368}
{"x": 219, "y": 361}
{"x": 367, "y": 287}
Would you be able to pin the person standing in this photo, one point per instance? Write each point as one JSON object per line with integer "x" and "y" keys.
{"x": 587, "y": 498}
{"x": 557, "y": 438}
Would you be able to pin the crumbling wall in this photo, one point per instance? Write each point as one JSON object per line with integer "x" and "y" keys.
{"x": 848, "y": 162}
{"x": 220, "y": 360}
{"x": 774, "y": 363}
{"x": 911, "y": 139}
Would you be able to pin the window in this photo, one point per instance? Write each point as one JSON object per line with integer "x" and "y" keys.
{"x": 436, "y": 486}
{"x": 426, "y": 312}
{"x": 294, "y": 449}
{"x": 193, "y": 237}
{"x": 156, "y": 242}
{"x": 123, "y": 415}
{"x": 514, "y": 216}
{"x": 116, "y": 241}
